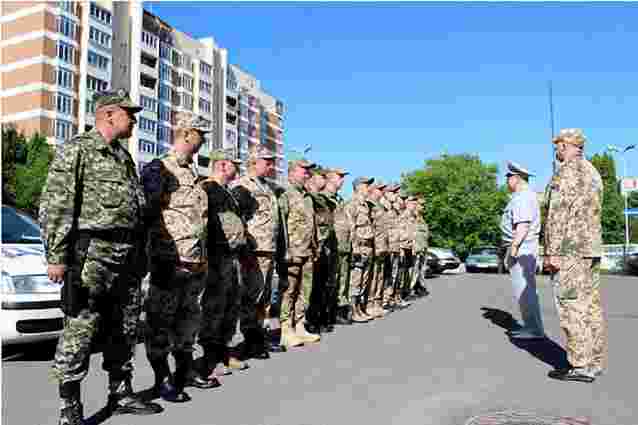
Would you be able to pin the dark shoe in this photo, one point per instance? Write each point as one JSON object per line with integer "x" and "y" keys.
{"x": 313, "y": 329}
{"x": 131, "y": 404}
{"x": 524, "y": 334}
{"x": 576, "y": 374}
{"x": 327, "y": 329}
{"x": 72, "y": 414}
{"x": 343, "y": 321}
{"x": 168, "y": 392}
{"x": 194, "y": 379}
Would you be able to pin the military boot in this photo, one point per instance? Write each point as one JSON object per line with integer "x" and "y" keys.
{"x": 255, "y": 346}
{"x": 232, "y": 360}
{"x": 71, "y": 409}
{"x": 357, "y": 314}
{"x": 304, "y": 335}
{"x": 364, "y": 313}
{"x": 288, "y": 336}
{"x": 123, "y": 400}
{"x": 187, "y": 376}
{"x": 344, "y": 315}
{"x": 378, "y": 310}
{"x": 164, "y": 386}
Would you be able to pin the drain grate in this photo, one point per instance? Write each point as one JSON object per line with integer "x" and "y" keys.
{"x": 524, "y": 418}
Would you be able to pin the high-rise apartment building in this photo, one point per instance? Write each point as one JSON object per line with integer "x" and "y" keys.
{"x": 260, "y": 119}
{"x": 56, "y": 55}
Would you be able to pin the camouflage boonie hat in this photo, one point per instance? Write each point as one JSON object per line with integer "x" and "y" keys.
{"x": 339, "y": 171}
{"x": 188, "y": 121}
{"x": 296, "y": 160}
{"x": 572, "y": 136}
{"x": 362, "y": 180}
{"x": 261, "y": 152}
{"x": 119, "y": 98}
{"x": 224, "y": 155}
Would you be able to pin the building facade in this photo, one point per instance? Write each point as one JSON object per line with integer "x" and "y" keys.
{"x": 56, "y": 55}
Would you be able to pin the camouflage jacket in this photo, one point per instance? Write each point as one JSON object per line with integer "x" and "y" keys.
{"x": 324, "y": 207}
{"x": 362, "y": 230}
{"x": 92, "y": 185}
{"x": 407, "y": 230}
{"x": 343, "y": 224}
{"x": 573, "y": 226}
{"x": 178, "y": 227}
{"x": 394, "y": 229}
{"x": 298, "y": 212}
{"x": 380, "y": 220}
{"x": 226, "y": 227}
{"x": 260, "y": 209}
{"x": 422, "y": 235}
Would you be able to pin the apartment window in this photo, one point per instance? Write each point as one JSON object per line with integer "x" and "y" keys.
{"x": 98, "y": 61}
{"x": 187, "y": 101}
{"x": 100, "y": 14}
{"x": 64, "y": 104}
{"x": 64, "y": 78}
{"x": 165, "y": 51}
{"x": 205, "y": 86}
{"x": 146, "y": 146}
{"x": 148, "y": 60}
{"x": 149, "y": 39}
{"x": 148, "y": 103}
{"x": 205, "y": 69}
{"x": 187, "y": 63}
{"x": 146, "y": 125}
{"x": 148, "y": 82}
{"x": 90, "y": 106}
{"x": 176, "y": 78}
{"x": 161, "y": 150}
{"x": 187, "y": 82}
{"x": 66, "y": 52}
{"x": 100, "y": 37}
{"x": 95, "y": 84}
{"x": 164, "y": 112}
{"x": 165, "y": 92}
{"x": 66, "y": 27}
{"x": 164, "y": 134}
{"x": 176, "y": 58}
{"x": 230, "y": 135}
{"x": 243, "y": 127}
{"x": 67, "y": 6}
{"x": 63, "y": 129}
{"x": 204, "y": 106}
{"x": 175, "y": 98}
{"x": 165, "y": 72}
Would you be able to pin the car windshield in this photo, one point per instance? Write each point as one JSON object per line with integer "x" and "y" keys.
{"x": 18, "y": 228}
{"x": 484, "y": 251}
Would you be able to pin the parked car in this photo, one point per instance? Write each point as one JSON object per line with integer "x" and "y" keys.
{"x": 30, "y": 302}
{"x": 632, "y": 262}
{"x": 443, "y": 259}
{"x": 483, "y": 258}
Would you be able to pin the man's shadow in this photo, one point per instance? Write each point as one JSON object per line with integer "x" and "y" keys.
{"x": 545, "y": 349}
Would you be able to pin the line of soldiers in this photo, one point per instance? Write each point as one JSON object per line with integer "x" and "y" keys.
{"x": 241, "y": 266}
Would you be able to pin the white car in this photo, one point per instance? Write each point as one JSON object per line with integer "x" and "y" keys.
{"x": 30, "y": 302}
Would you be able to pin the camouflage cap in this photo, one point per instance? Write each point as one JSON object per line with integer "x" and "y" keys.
{"x": 224, "y": 155}
{"x": 301, "y": 163}
{"x": 261, "y": 152}
{"x": 362, "y": 180}
{"x": 379, "y": 184}
{"x": 513, "y": 169}
{"x": 572, "y": 136}
{"x": 188, "y": 121}
{"x": 339, "y": 171}
{"x": 413, "y": 198}
{"x": 118, "y": 97}
{"x": 318, "y": 170}
{"x": 393, "y": 187}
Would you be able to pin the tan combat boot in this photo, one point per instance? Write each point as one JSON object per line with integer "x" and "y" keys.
{"x": 365, "y": 313}
{"x": 357, "y": 315}
{"x": 288, "y": 336}
{"x": 304, "y": 335}
{"x": 378, "y": 309}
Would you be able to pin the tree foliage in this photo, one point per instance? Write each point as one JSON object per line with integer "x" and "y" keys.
{"x": 10, "y": 142}
{"x": 31, "y": 172}
{"x": 463, "y": 201}
{"x": 613, "y": 221}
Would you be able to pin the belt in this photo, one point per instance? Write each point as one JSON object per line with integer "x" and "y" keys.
{"x": 117, "y": 235}
{"x": 192, "y": 267}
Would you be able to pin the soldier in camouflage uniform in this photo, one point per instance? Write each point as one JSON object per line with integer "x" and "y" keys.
{"x": 420, "y": 250}
{"x": 406, "y": 238}
{"x": 178, "y": 261}
{"x": 394, "y": 207}
{"x": 341, "y": 269}
{"x": 360, "y": 210}
{"x": 323, "y": 273}
{"x": 573, "y": 248}
{"x": 258, "y": 203}
{"x": 299, "y": 221}
{"x": 227, "y": 244}
{"x": 94, "y": 229}
{"x": 374, "y": 304}
{"x": 412, "y": 207}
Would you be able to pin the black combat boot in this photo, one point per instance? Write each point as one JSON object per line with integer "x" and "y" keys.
{"x": 71, "y": 410}
{"x": 255, "y": 345}
{"x": 214, "y": 360}
{"x": 187, "y": 376}
{"x": 165, "y": 386}
{"x": 123, "y": 400}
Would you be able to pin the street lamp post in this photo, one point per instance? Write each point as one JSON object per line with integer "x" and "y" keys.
{"x": 613, "y": 148}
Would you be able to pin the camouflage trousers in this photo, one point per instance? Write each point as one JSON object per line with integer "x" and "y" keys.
{"x": 361, "y": 276}
{"x": 580, "y": 311}
{"x": 379, "y": 278}
{"x": 292, "y": 304}
{"x": 173, "y": 312}
{"x": 406, "y": 267}
{"x": 220, "y": 302}
{"x": 109, "y": 305}
{"x": 393, "y": 276}
{"x": 323, "y": 288}
{"x": 419, "y": 271}
{"x": 342, "y": 277}
{"x": 257, "y": 276}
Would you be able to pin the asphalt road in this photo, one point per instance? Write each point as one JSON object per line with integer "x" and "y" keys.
{"x": 438, "y": 362}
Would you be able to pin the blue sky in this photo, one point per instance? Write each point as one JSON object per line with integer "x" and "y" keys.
{"x": 378, "y": 88}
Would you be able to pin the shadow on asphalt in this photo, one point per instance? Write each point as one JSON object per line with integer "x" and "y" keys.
{"x": 33, "y": 352}
{"x": 545, "y": 350}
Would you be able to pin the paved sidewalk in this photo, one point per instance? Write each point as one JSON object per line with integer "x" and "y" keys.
{"x": 438, "y": 362}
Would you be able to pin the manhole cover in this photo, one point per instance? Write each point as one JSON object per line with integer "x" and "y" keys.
{"x": 524, "y": 418}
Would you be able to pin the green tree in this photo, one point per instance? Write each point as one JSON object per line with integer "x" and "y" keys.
{"x": 464, "y": 203}
{"x": 31, "y": 175}
{"x": 613, "y": 204}
{"x": 10, "y": 144}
